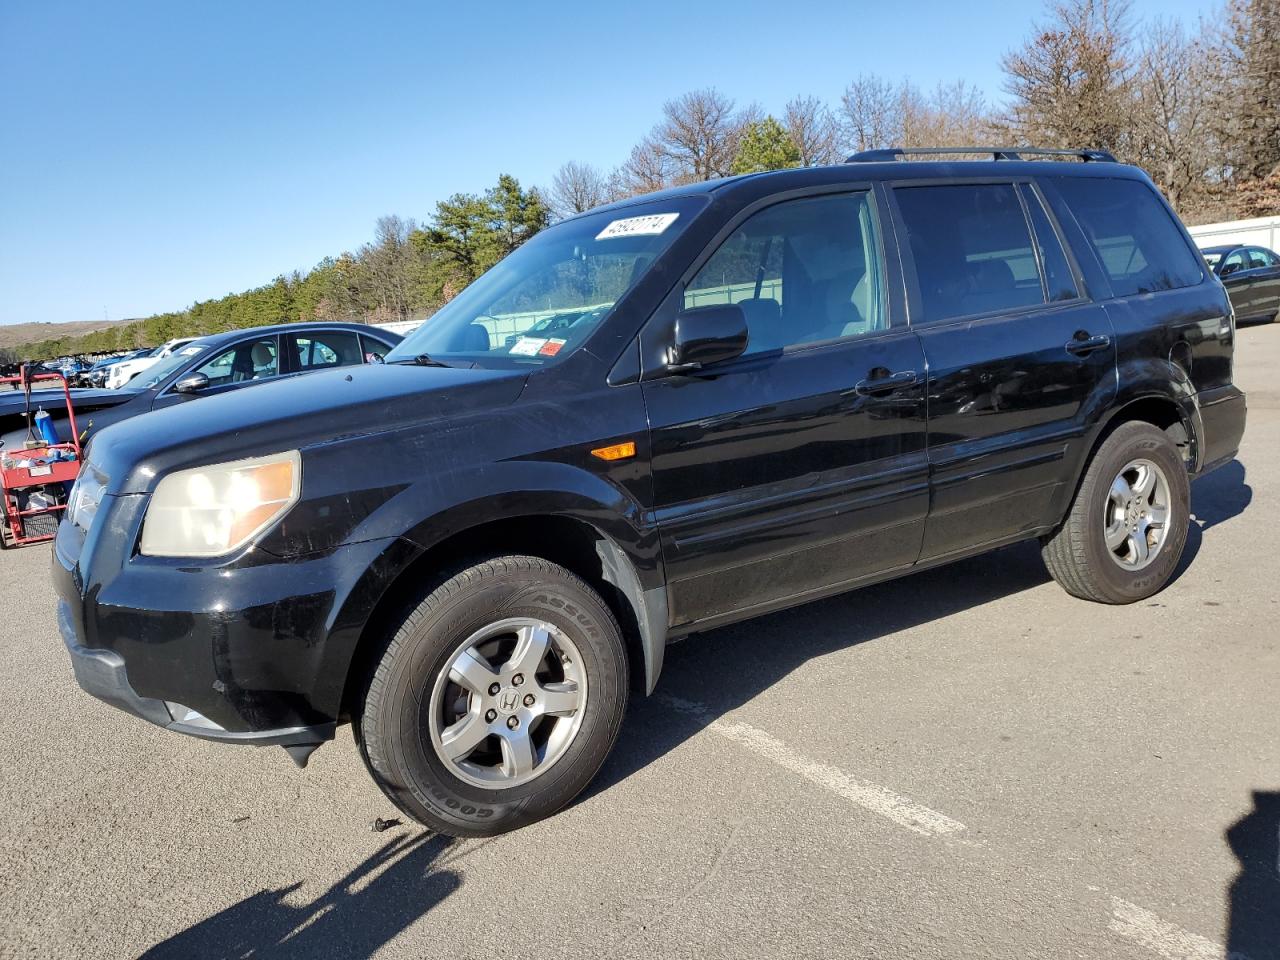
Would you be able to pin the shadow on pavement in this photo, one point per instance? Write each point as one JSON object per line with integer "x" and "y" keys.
{"x": 723, "y": 669}
{"x": 343, "y": 923}
{"x": 1253, "y": 904}
{"x": 1215, "y": 498}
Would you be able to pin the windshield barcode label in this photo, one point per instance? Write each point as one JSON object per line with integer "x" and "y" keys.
{"x": 638, "y": 226}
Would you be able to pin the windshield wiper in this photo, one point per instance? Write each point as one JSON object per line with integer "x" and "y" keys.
{"x": 422, "y": 360}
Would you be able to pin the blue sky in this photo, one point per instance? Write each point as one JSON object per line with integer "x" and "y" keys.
{"x": 152, "y": 154}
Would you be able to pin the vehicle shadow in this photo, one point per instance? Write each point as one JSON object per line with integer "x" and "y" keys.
{"x": 1253, "y": 900}
{"x": 725, "y": 668}
{"x": 351, "y": 920}
{"x": 1215, "y": 498}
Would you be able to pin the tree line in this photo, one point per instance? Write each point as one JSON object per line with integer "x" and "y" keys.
{"x": 1198, "y": 108}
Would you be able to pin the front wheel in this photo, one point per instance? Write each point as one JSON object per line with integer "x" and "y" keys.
{"x": 1123, "y": 538}
{"x": 497, "y": 699}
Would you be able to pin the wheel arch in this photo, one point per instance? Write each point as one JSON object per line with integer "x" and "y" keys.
{"x": 1172, "y": 412}
{"x": 613, "y": 568}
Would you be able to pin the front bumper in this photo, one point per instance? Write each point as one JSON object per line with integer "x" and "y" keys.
{"x": 102, "y": 673}
{"x": 252, "y": 651}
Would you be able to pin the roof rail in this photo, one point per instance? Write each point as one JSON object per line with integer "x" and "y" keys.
{"x": 997, "y": 153}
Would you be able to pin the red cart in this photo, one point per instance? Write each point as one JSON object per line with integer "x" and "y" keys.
{"x": 23, "y": 471}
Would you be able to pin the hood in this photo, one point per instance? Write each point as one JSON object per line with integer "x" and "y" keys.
{"x": 55, "y": 401}
{"x": 292, "y": 414}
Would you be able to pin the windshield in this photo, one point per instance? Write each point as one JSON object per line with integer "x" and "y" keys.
{"x": 541, "y": 302}
{"x": 158, "y": 372}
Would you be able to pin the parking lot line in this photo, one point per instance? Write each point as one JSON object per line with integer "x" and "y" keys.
{"x": 870, "y": 796}
{"x": 1167, "y": 939}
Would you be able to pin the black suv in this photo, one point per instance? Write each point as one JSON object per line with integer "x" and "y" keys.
{"x": 755, "y": 392}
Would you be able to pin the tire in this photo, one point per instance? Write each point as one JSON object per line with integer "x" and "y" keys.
{"x": 1078, "y": 554}
{"x": 415, "y": 698}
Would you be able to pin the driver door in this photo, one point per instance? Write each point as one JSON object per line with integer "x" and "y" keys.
{"x": 800, "y": 466}
{"x": 247, "y": 361}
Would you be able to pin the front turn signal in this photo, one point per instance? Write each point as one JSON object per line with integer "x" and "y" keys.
{"x": 616, "y": 451}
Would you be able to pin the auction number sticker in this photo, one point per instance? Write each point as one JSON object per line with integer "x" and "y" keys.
{"x": 527, "y": 346}
{"x": 652, "y": 224}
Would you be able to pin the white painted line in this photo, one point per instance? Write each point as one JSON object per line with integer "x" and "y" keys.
{"x": 1160, "y": 936}
{"x": 870, "y": 796}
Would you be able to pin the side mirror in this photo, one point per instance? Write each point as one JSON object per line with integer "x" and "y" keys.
{"x": 191, "y": 383}
{"x": 707, "y": 335}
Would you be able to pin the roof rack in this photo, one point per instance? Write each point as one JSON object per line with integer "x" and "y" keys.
{"x": 997, "y": 153}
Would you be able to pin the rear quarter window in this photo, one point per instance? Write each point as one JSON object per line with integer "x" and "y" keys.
{"x": 1137, "y": 241}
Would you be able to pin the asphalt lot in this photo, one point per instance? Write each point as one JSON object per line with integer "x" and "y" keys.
{"x": 964, "y": 763}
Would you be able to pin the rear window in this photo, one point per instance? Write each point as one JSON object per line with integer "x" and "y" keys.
{"x": 1141, "y": 248}
{"x": 972, "y": 249}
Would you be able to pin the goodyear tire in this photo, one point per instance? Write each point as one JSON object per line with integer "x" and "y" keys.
{"x": 497, "y": 699}
{"x": 1125, "y": 532}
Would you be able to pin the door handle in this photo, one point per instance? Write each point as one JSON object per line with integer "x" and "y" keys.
{"x": 1082, "y": 345}
{"x": 894, "y": 381}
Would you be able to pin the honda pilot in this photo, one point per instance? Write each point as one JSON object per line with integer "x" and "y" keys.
{"x": 652, "y": 419}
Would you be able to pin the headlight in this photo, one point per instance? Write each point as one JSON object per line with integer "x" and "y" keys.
{"x": 213, "y": 510}
{"x": 86, "y": 496}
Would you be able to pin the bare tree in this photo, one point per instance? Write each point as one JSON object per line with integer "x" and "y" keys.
{"x": 698, "y": 135}
{"x": 1173, "y": 125}
{"x": 645, "y": 170}
{"x": 1070, "y": 81}
{"x": 879, "y": 114}
{"x": 1246, "y": 53}
{"x": 577, "y": 187}
{"x": 870, "y": 113}
{"x": 812, "y": 130}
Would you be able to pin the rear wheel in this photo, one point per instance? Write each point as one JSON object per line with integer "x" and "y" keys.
{"x": 1123, "y": 538}
{"x": 497, "y": 699}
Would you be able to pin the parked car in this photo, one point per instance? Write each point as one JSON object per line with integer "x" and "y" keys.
{"x": 1251, "y": 275}
{"x": 818, "y": 379}
{"x": 121, "y": 373}
{"x": 204, "y": 367}
{"x": 96, "y": 375}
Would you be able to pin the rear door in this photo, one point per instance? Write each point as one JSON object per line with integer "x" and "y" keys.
{"x": 1015, "y": 355}
{"x": 313, "y": 350}
{"x": 799, "y": 466}
{"x": 1238, "y": 280}
{"x": 1265, "y": 293}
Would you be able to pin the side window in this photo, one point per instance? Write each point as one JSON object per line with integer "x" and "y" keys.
{"x": 803, "y": 271}
{"x": 247, "y": 360}
{"x": 373, "y": 348}
{"x": 972, "y": 249}
{"x": 1059, "y": 283}
{"x": 1235, "y": 262}
{"x": 1140, "y": 247}
{"x": 327, "y": 348}
{"x": 1259, "y": 259}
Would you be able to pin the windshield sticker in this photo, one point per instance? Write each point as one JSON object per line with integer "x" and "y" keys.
{"x": 652, "y": 224}
{"x": 551, "y": 347}
{"x": 527, "y": 347}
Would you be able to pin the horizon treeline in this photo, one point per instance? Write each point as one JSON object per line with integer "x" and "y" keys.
{"x": 1197, "y": 108}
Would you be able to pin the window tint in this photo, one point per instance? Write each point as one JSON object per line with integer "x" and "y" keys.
{"x": 1140, "y": 248}
{"x": 1059, "y": 284}
{"x": 972, "y": 249}
{"x": 323, "y": 349}
{"x": 248, "y": 360}
{"x": 374, "y": 349}
{"x": 1235, "y": 261}
{"x": 1258, "y": 258}
{"x": 803, "y": 271}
